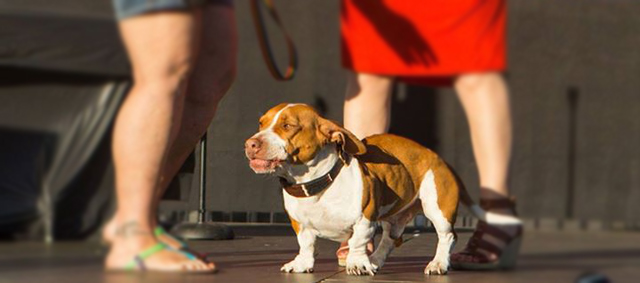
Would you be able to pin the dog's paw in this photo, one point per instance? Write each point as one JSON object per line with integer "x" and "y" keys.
{"x": 360, "y": 265}
{"x": 299, "y": 265}
{"x": 376, "y": 261}
{"x": 436, "y": 267}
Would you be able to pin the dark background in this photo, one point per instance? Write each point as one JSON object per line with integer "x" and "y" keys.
{"x": 573, "y": 74}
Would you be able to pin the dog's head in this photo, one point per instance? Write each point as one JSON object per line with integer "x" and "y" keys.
{"x": 293, "y": 134}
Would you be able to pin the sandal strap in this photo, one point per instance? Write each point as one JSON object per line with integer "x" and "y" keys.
{"x": 501, "y": 203}
{"x": 140, "y": 263}
{"x": 485, "y": 228}
{"x": 482, "y": 244}
{"x": 478, "y": 257}
{"x": 184, "y": 248}
{"x": 477, "y": 240}
{"x": 161, "y": 231}
{"x": 138, "y": 260}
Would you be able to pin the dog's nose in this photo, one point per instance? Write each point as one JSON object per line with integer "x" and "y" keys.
{"x": 252, "y": 144}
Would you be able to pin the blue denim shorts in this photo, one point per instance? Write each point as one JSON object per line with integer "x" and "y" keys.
{"x": 129, "y": 8}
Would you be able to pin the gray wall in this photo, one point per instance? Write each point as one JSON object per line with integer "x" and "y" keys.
{"x": 320, "y": 81}
{"x": 579, "y": 161}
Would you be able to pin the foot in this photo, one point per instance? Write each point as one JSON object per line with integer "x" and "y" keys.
{"x": 360, "y": 265}
{"x": 492, "y": 245}
{"x": 109, "y": 233}
{"x": 436, "y": 267}
{"x": 131, "y": 241}
{"x": 377, "y": 261}
{"x": 299, "y": 265}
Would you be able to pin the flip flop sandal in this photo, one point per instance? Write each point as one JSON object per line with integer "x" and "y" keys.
{"x": 342, "y": 253}
{"x": 184, "y": 248}
{"x": 480, "y": 254}
{"x": 137, "y": 264}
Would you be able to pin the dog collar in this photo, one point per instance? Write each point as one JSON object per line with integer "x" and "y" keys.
{"x": 315, "y": 186}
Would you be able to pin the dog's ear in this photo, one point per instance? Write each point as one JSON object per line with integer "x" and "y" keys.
{"x": 334, "y": 133}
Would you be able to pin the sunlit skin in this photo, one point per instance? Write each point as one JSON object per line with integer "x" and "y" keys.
{"x": 180, "y": 75}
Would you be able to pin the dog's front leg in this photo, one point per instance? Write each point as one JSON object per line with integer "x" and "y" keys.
{"x": 357, "y": 261}
{"x": 305, "y": 259}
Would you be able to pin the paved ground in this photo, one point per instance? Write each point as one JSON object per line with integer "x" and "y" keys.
{"x": 546, "y": 257}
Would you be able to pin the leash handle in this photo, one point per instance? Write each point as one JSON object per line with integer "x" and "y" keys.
{"x": 263, "y": 39}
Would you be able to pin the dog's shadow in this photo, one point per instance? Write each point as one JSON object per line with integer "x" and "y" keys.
{"x": 393, "y": 265}
{"x": 405, "y": 264}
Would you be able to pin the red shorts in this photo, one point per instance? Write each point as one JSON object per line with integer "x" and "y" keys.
{"x": 423, "y": 41}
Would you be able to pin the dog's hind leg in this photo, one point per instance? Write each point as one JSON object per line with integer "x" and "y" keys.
{"x": 441, "y": 212}
{"x": 392, "y": 230}
{"x": 385, "y": 246}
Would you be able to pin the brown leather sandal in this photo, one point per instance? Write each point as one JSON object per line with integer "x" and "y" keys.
{"x": 480, "y": 254}
{"x": 343, "y": 252}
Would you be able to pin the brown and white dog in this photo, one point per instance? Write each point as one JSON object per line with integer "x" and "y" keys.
{"x": 337, "y": 187}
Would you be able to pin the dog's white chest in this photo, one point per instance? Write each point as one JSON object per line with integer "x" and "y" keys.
{"x": 333, "y": 213}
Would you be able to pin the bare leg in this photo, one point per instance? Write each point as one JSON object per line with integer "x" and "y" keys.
{"x": 212, "y": 76}
{"x": 161, "y": 49}
{"x": 367, "y": 104}
{"x": 485, "y": 100}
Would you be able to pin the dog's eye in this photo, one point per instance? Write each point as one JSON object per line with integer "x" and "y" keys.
{"x": 286, "y": 126}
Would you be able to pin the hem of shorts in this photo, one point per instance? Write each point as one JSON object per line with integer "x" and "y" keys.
{"x": 426, "y": 73}
{"x": 143, "y": 9}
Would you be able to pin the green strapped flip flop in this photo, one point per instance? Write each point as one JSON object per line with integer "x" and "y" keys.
{"x": 184, "y": 248}
{"x": 138, "y": 262}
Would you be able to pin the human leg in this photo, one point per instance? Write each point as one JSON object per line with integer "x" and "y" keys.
{"x": 212, "y": 75}
{"x": 161, "y": 49}
{"x": 485, "y": 99}
{"x": 211, "y": 78}
{"x": 367, "y": 104}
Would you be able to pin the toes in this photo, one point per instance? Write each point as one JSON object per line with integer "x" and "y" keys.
{"x": 436, "y": 268}
{"x": 202, "y": 266}
{"x": 195, "y": 265}
{"x": 187, "y": 266}
{"x": 211, "y": 266}
{"x": 362, "y": 270}
{"x": 286, "y": 268}
{"x": 298, "y": 266}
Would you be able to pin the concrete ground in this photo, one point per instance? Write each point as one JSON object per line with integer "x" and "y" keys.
{"x": 545, "y": 257}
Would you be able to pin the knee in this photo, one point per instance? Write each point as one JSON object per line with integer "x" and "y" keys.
{"x": 168, "y": 78}
{"x": 473, "y": 81}
{"x": 374, "y": 84}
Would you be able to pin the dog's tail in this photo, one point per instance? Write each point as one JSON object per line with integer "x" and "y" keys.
{"x": 476, "y": 210}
